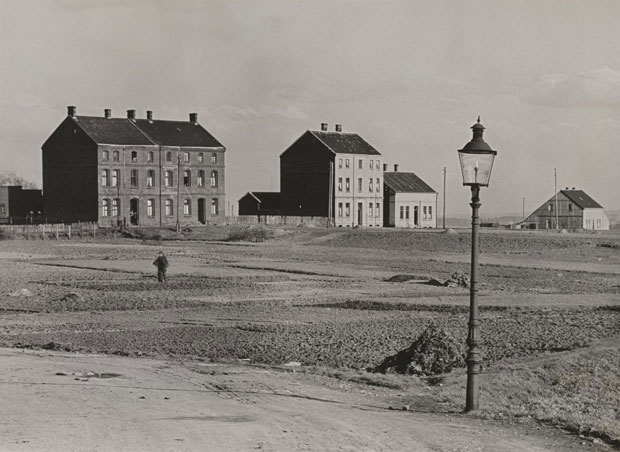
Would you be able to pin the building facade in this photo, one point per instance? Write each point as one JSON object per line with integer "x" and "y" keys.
{"x": 409, "y": 201}
{"x": 574, "y": 209}
{"x": 19, "y": 206}
{"x": 133, "y": 171}
{"x": 260, "y": 203}
{"x": 335, "y": 175}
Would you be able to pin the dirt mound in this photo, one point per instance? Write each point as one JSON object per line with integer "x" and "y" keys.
{"x": 433, "y": 352}
{"x": 406, "y": 278}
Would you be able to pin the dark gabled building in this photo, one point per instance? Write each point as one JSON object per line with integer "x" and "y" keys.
{"x": 335, "y": 175}
{"x": 574, "y": 209}
{"x": 409, "y": 202}
{"x": 133, "y": 171}
{"x": 260, "y": 203}
{"x": 19, "y": 206}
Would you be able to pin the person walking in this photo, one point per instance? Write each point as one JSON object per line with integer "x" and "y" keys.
{"x": 162, "y": 264}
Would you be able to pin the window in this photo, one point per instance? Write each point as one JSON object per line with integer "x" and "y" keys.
{"x": 370, "y": 184}
{"x": 105, "y": 156}
{"x": 214, "y": 207}
{"x": 424, "y": 212}
{"x": 430, "y": 212}
{"x": 169, "y": 207}
{"x": 150, "y": 156}
{"x": 115, "y": 205}
{"x": 339, "y": 209}
{"x": 168, "y": 179}
{"x": 378, "y": 210}
{"x": 348, "y": 184}
{"x": 402, "y": 212}
{"x": 371, "y": 163}
{"x": 340, "y": 164}
{"x": 213, "y": 157}
{"x": 346, "y": 163}
{"x": 378, "y": 186}
{"x": 214, "y": 178}
{"x": 2, "y": 209}
{"x": 186, "y": 157}
{"x": 550, "y": 207}
{"x": 150, "y": 178}
{"x": 360, "y": 164}
{"x": 150, "y": 207}
{"x": 570, "y": 207}
{"x": 168, "y": 156}
{"x": 187, "y": 178}
{"x": 378, "y": 164}
{"x": 105, "y": 177}
{"x": 406, "y": 212}
{"x": 115, "y": 156}
{"x": 200, "y": 181}
{"x": 134, "y": 177}
{"x": 370, "y": 208}
{"x": 105, "y": 208}
{"x": 134, "y": 156}
{"x": 548, "y": 224}
{"x": 116, "y": 175}
{"x": 187, "y": 207}
{"x": 347, "y": 209}
{"x": 340, "y": 184}
{"x": 201, "y": 157}
{"x": 359, "y": 184}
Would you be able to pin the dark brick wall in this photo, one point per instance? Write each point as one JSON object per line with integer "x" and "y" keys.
{"x": 304, "y": 178}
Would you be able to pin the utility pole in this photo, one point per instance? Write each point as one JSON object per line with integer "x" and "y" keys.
{"x": 178, "y": 188}
{"x": 444, "y": 197}
{"x": 523, "y": 217}
{"x": 555, "y": 174}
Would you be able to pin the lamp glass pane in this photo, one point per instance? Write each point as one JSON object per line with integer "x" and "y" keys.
{"x": 476, "y": 167}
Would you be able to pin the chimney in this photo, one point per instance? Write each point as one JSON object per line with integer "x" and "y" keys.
{"x": 338, "y": 127}
{"x": 573, "y": 188}
{"x": 131, "y": 114}
{"x": 323, "y": 127}
{"x": 71, "y": 111}
{"x": 107, "y": 113}
{"x": 395, "y": 167}
{"x": 149, "y": 115}
{"x": 385, "y": 165}
{"x": 193, "y": 118}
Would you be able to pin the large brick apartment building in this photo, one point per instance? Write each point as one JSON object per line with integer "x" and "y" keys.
{"x": 133, "y": 171}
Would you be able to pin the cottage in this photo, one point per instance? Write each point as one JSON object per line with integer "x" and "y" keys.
{"x": 19, "y": 206}
{"x": 571, "y": 209}
{"x": 133, "y": 171}
{"x": 335, "y": 175}
{"x": 260, "y": 203}
{"x": 409, "y": 202}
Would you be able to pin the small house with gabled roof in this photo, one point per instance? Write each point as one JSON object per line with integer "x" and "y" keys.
{"x": 408, "y": 201}
{"x": 571, "y": 209}
{"x": 260, "y": 203}
{"x": 132, "y": 171}
{"x": 335, "y": 175}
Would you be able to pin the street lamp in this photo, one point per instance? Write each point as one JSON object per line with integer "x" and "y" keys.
{"x": 476, "y": 164}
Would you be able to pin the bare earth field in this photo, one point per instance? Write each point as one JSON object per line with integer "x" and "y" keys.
{"x": 265, "y": 346}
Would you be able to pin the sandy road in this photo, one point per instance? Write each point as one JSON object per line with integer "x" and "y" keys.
{"x": 71, "y": 402}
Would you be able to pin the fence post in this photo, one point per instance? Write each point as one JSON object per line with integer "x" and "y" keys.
{"x": 56, "y": 231}
{"x": 69, "y": 231}
{"x": 94, "y": 230}
{"x": 81, "y": 231}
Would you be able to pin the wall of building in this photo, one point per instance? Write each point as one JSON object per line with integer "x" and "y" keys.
{"x": 304, "y": 178}
{"x": 595, "y": 220}
{"x": 412, "y": 210}
{"x": 350, "y": 170}
{"x": 70, "y": 175}
{"x": 569, "y": 215}
{"x": 248, "y": 205}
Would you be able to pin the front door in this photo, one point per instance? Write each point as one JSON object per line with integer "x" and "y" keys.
{"x": 360, "y": 209}
{"x": 133, "y": 212}
{"x": 202, "y": 212}
{"x": 416, "y": 216}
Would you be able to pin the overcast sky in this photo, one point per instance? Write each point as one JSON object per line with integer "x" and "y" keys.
{"x": 409, "y": 76}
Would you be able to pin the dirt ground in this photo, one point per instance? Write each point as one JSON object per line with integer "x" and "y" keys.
{"x": 292, "y": 324}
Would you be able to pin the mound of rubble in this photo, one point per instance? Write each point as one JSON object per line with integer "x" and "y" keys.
{"x": 433, "y": 352}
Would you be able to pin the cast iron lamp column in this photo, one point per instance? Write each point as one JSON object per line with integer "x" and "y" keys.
{"x": 476, "y": 163}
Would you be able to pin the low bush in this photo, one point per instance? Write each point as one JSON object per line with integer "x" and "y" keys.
{"x": 250, "y": 234}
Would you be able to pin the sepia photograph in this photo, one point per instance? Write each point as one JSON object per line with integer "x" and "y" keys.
{"x": 309, "y": 225}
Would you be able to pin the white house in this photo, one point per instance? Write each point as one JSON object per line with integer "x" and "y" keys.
{"x": 408, "y": 201}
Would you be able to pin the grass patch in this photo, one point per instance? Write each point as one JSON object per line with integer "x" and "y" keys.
{"x": 249, "y": 234}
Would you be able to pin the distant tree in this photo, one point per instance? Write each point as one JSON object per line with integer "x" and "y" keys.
{"x": 12, "y": 178}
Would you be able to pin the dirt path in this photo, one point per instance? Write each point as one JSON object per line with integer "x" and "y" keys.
{"x": 60, "y": 402}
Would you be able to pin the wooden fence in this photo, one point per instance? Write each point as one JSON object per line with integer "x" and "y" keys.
{"x": 49, "y": 231}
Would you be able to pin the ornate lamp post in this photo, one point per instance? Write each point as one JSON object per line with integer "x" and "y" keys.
{"x": 476, "y": 164}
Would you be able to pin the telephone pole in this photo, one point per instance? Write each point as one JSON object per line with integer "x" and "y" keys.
{"x": 178, "y": 188}
{"x": 444, "y": 197}
{"x": 555, "y": 174}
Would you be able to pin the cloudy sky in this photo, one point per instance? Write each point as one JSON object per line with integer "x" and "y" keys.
{"x": 409, "y": 76}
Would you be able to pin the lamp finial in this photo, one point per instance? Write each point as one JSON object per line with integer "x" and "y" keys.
{"x": 478, "y": 119}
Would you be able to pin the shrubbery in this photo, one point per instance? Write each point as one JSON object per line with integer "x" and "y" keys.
{"x": 249, "y": 234}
